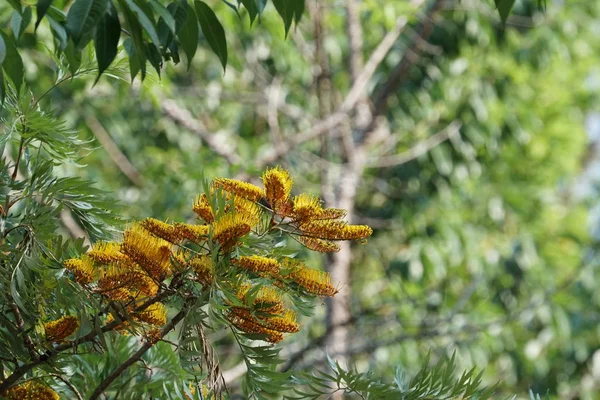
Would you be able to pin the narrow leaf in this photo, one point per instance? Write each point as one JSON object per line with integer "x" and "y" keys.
{"x": 13, "y": 64}
{"x": 188, "y": 37}
{"x": 2, "y": 50}
{"x": 252, "y": 9}
{"x": 16, "y": 4}
{"x": 73, "y": 57}
{"x": 285, "y": 8}
{"x": 83, "y": 17}
{"x": 504, "y": 7}
{"x": 42, "y": 8}
{"x": 2, "y": 88}
{"x": 179, "y": 15}
{"x": 106, "y": 40}
{"x": 145, "y": 21}
{"x": 59, "y": 32}
{"x": 213, "y": 30}
{"x": 19, "y": 22}
{"x": 136, "y": 48}
{"x": 298, "y": 10}
{"x": 164, "y": 14}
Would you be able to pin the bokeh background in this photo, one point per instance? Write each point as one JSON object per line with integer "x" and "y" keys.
{"x": 470, "y": 147}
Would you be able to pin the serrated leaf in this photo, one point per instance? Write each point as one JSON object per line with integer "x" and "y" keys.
{"x": 106, "y": 39}
{"x": 20, "y": 21}
{"x": 213, "y": 30}
{"x": 144, "y": 21}
{"x": 42, "y": 8}
{"x": 188, "y": 37}
{"x": 13, "y": 64}
{"x": 504, "y": 7}
{"x": 83, "y": 17}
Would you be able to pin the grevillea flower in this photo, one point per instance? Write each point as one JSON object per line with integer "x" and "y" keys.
{"x": 331, "y": 213}
{"x": 320, "y": 245}
{"x": 253, "y": 326}
{"x": 248, "y": 208}
{"x": 258, "y": 264}
{"x": 193, "y": 233}
{"x": 243, "y": 189}
{"x": 231, "y": 227}
{"x": 155, "y": 314}
{"x": 335, "y": 230}
{"x": 31, "y": 390}
{"x": 106, "y": 253}
{"x": 306, "y": 207}
{"x": 57, "y": 331}
{"x": 149, "y": 252}
{"x": 162, "y": 230}
{"x": 311, "y": 280}
{"x": 203, "y": 209}
{"x": 204, "y": 269}
{"x": 82, "y": 268}
{"x": 268, "y": 299}
{"x": 278, "y": 187}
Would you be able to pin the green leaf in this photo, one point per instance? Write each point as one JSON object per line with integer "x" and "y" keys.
{"x": 165, "y": 33}
{"x": 164, "y": 14}
{"x": 2, "y": 88}
{"x": 136, "y": 48}
{"x": 252, "y": 9}
{"x": 286, "y": 10}
{"x": 106, "y": 39}
{"x": 16, "y": 4}
{"x": 2, "y": 50}
{"x": 57, "y": 14}
{"x": 298, "y": 10}
{"x": 42, "y": 8}
{"x": 19, "y": 22}
{"x": 59, "y": 32}
{"x": 188, "y": 37}
{"x": 213, "y": 30}
{"x": 504, "y": 7}
{"x": 145, "y": 21}
{"x": 134, "y": 63}
{"x": 154, "y": 57}
{"x": 13, "y": 64}
{"x": 83, "y": 17}
{"x": 73, "y": 57}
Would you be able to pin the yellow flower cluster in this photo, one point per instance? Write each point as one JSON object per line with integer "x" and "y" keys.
{"x": 57, "y": 331}
{"x": 31, "y": 390}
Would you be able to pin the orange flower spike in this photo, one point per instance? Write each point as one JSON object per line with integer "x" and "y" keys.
{"x": 320, "y": 245}
{"x": 253, "y": 326}
{"x": 57, "y": 331}
{"x": 106, "y": 253}
{"x": 284, "y": 323}
{"x": 311, "y": 280}
{"x": 204, "y": 269}
{"x": 306, "y": 207}
{"x": 278, "y": 186}
{"x": 332, "y": 213}
{"x": 258, "y": 264}
{"x": 162, "y": 230}
{"x": 335, "y": 230}
{"x": 82, "y": 268}
{"x": 31, "y": 390}
{"x": 203, "y": 209}
{"x": 248, "y": 208}
{"x": 193, "y": 233}
{"x": 155, "y": 314}
{"x": 149, "y": 252}
{"x": 231, "y": 227}
{"x": 243, "y": 189}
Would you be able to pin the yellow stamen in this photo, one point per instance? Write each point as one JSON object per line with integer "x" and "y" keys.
{"x": 335, "y": 230}
{"x": 306, "y": 207}
{"x": 155, "y": 314}
{"x": 149, "y": 252}
{"x": 278, "y": 186}
{"x": 253, "y": 326}
{"x": 31, "y": 390}
{"x": 162, "y": 230}
{"x": 82, "y": 268}
{"x": 106, "y": 253}
{"x": 311, "y": 280}
{"x": 203, "y": 209}
{"x": 323, "y": 246}
{"x": 193, "y": 233}
{"x": 258, "y": 264}
{"x": 204, "y": 268}
{"x": 57, "y": 331}
{"x": 231, "y": 227}
{"x": 243, "y": 189}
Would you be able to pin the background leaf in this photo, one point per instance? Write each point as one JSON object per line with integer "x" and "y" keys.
{"x": 188, "y": 37}
{"x": 213, "y": 30}
{"x": 13, "y": 64}
{"x": 42, "y": 7}
{"x": 83, "y": 17}
{"x": 19, "y": 22}
{"x": 106, "y": 39}
{"x": 504, "y": 7}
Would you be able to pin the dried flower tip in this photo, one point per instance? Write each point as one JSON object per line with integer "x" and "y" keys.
{"x": 323, "y": 246}
{"x": 258, "y": 264}
{"x": 151, "y": 253}
{"x": 193, "y": 233}
{"x": 204, "y": 269}
{"x": 253, "y": 326}
{"x": 153, "y": 335}
{"x": 229, "y": 228}
{"x": 278, "y": 186}
{"x": 106, "y": 253}
{"x": 155, "y": 314}
{"x": 57, "y": 331}
{"x": 82, "y": 268}
{"x": 335, "y": 230}
{"x": 306, "y": 206}
{"x": 203, "y": 209}
{"x": 240, "y": 188}
{"x": 161, "y": 229}
{"x": 332, "y": 213}
{"x": 311, "y": 280}
{"x": 31, "y": 390}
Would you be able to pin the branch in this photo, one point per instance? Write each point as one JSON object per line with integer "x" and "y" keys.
{"x": 136, "y": 356}
{"x": 417, "y": 150}
{"x": 184, "y": 118}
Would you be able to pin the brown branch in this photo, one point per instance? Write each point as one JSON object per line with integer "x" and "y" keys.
{"x": 115, "y": 154}
{"x": 69, "y": 385}
{"x": 136, "y": 356}
{"x": 184, "y": 118}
